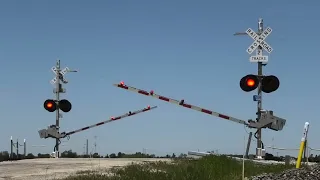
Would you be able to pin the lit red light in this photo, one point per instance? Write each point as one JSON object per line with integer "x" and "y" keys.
{"x": 49, "y": 105}
{"x": 121, "y": 83}
{"x": 112, "y": 118}
{"x": 251, "y": 82}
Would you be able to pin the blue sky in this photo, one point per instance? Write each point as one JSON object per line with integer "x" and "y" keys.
{"x": 181, "y": 49}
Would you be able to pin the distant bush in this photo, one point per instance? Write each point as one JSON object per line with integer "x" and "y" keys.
{"x": 4, "y": 156}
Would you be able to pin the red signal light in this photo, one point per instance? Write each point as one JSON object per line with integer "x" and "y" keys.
{"x": 65, "y": 105}
{"x": 122, "y": 83}
{"x": 50, "y": 105}
{"x": 250, "y": 82}
{"x": 270, "y": 84}
{"x": 112, "y": 118}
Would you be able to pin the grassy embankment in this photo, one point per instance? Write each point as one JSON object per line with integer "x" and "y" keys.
{"x": 207, "y": 168}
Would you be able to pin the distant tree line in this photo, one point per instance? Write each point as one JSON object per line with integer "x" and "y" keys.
{"x": 5, "y": 155}
{"x": 71, "y": 154}
{"x": 311, "y": 158}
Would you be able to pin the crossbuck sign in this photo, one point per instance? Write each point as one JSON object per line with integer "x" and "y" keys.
{"x": 259, "y": 40}
{"x": 62, "y": 73}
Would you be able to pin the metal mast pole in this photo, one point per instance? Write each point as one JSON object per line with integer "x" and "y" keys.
{"x": 259, "y": 104}
{"x": 95, "y": 144}
{"x": 57, "y": 101}
{"x": 11, "y": 153}
{"x": 17, "y": 150}
{"x": 87, "y": 147}
{"x": 248, "y": 145}
{"x": 25, "y": 147}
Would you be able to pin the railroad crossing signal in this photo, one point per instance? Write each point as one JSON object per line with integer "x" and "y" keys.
{"x": 250, "y": 82}
{"x": 259, "y": 40}
{"x": 51, "y": 105}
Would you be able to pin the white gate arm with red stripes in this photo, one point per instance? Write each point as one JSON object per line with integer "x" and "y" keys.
{"x": 180, "y": 103}
{"x": 112, "y": 119}
{"x": 52, "y": 131}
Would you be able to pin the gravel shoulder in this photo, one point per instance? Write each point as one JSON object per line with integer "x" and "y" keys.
{"x": 36, "y": 169}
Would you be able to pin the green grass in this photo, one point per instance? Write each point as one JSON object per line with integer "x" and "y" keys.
{"x": 206, "y": 168}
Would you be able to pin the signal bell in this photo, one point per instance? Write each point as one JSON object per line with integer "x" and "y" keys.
{"x": 249, "y": 82}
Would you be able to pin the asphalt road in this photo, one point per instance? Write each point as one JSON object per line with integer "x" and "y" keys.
{"x": 46, "y": 169}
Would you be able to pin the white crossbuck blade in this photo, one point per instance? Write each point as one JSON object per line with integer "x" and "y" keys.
{"x": 259, "y": 40}
{"x": 62, "y": 72}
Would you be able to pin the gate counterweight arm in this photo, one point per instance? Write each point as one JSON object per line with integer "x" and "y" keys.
{"x": 179, "y": 103}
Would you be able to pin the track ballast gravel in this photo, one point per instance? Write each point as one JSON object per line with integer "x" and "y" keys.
{"x": 310, "y": 173}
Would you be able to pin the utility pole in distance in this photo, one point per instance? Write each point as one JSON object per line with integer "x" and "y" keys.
{"x": 263, "y": 83}
{"x": 87, "y": 147}
{"x": 57, "y": 104}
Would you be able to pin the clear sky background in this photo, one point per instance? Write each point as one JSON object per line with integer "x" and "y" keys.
{"x": 181, "y": 49}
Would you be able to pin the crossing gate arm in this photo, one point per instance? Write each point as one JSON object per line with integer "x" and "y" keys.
{"x": 179, "y": 103}
{"x": 291, "y": 149}
{"x": 110, "y": 120}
